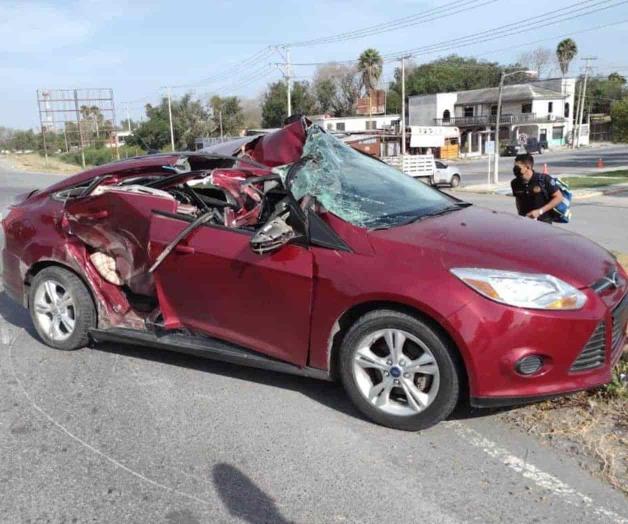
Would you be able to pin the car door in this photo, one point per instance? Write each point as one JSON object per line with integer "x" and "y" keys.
{"x": 213, "y": 283}
{"x": 439, "y": 172}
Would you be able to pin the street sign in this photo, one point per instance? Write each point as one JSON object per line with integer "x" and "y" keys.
{"x": 489, "y": 147}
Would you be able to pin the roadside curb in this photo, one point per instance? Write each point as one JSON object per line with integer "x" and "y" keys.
{"x": 578, "y": 194}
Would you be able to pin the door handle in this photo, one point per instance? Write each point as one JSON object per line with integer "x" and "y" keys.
{"x": 95, "y": 215}
{"x": 184, "y": 249}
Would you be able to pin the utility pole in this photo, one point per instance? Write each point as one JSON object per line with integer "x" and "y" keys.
{"x": 576, "y": 114}
{"x": 128, "y": 117}
{"x": 403, "y": 108}
{"x": 220, "y": 120}
{"x": 286, "y": 71}
{"x": 497, "y": 123}
{"x": 170, "y": 118}
{"x": 78, "y": 123}
{"x": 527, "y": 72}
{"x": 583, "y": 95}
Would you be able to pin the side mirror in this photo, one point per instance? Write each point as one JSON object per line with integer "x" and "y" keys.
{"x": 275, "y": 234}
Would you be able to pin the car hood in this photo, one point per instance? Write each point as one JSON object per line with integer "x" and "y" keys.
{"x": 477, "y": 237}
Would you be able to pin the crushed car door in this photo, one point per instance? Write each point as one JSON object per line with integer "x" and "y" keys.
{"x": 115, "y": 223}
{"x": 213, "y": 283}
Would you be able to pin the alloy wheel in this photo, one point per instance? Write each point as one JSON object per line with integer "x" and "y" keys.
{"x": 396, "y": 372}
{"x": 54, "y": 310}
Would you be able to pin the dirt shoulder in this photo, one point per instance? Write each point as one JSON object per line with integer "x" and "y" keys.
{"x": 34, "y": 163}
{"x": 591, "y": 426}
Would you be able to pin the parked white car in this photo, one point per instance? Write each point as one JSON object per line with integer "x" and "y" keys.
{"x": 444, "y": 174}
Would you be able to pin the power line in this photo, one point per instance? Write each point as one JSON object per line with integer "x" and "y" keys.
{"x": 548, "y": 18}
{"x": 444, "y": 11}
{"x": 543, "y": 20}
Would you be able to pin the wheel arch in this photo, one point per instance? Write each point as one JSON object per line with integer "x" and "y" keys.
{"x": 350, "y": 316}
{"x": 40, "y": 265}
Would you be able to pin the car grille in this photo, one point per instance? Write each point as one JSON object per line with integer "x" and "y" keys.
{"x": 592, "y": 356}
{"x": 620, "y": 317}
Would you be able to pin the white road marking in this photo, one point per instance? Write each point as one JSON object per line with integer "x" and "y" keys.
{"x": 536, "y": 475}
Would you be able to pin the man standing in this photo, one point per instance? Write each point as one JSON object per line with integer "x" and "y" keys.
{"x": 535, "y": 194}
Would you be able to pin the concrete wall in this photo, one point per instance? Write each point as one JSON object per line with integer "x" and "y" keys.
{"x": 422, "y": 110}
{"x": 353, "y": 124}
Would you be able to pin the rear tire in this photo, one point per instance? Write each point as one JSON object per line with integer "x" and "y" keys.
{"x": 398, "y": 371}
{"x": 455, "y": 181}
{"x": 61, "y": 308}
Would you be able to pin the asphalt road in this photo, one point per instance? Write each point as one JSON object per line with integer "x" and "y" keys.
{"x": 125, "y": 434}
{"x": 560, "y": 162}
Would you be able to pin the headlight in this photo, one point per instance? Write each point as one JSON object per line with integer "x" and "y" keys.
{"x": 525, "y": 290}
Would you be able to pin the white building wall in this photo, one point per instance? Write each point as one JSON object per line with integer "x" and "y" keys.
{"x": 355, "y": 124}
{"x": 445, "y": 102}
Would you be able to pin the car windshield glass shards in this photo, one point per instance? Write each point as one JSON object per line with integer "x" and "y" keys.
{"x": 359, "y": 189}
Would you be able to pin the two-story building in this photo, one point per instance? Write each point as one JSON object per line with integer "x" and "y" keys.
{"x": 542, "y": 109}
{"x": 356, "y": 124}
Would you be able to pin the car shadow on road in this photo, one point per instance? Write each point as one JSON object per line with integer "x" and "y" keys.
{"x": 14, "y": 314}
{"x": 243, "y": 498}
{"x": 330, "y": 394}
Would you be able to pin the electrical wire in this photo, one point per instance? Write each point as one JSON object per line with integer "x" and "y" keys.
{"x": 437, "y": 13}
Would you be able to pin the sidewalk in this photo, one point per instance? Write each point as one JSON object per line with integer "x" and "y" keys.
{"x": 503, "y": 188}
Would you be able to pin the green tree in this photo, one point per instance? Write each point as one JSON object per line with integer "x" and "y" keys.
{"x": 565, "y": 53}
{"x": 228, "y": 111}
{"x": 24, "y": 140}
{"x": 602, "y": 92}
{"x": 190, "y": 120}
{"x": 453, "y": 73}
{"x": 274, "y": 106}
{"x": 336, "y": 89}
{"x": 370, "y": 66}
{"x": 619, "y": 119}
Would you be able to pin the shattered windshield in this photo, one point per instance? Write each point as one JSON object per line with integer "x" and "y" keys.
{"x": 360, "y": 189}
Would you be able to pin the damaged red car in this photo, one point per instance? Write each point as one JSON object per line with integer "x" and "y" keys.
{"x": 293, "y": 252}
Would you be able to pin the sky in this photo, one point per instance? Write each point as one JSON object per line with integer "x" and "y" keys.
{"x": 221, "y": 46}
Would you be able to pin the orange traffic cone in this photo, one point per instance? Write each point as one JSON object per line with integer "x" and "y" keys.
{"x": 545, "y": 169}
{"x": 600, "y": 163}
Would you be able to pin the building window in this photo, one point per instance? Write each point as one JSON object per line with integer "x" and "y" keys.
{"x": 330, "y": 127}
{"x": 340, "y": 126}
{"x": 550, "y": 107}
{"x": 468, "y": 111}
{"x": 371, "y": 124}
{"x": 526, "y": 108}
{"x": 566, "y": 109}
{"x": 446, "y": 116}
{"x": 494, "y": 110}
{"x": 558, "y": 132}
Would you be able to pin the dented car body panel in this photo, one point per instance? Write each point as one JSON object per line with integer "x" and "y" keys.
{"x": 169, "y": 246}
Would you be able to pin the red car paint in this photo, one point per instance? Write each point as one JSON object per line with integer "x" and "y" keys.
{"x": 290, "y": 304}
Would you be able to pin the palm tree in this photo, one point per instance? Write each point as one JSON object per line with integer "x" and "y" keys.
{"x": 370, "y": 68}
{"x": 565, "y": 52}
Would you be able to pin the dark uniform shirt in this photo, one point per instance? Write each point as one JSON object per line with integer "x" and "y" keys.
{"x": 534, "y": 194}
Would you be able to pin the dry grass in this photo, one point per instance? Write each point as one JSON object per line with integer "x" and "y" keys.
{"x": 36, "y": 163}
{"x": 590, "y": 425}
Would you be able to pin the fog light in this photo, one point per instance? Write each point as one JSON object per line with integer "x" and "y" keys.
{"x": 529, "y": 365}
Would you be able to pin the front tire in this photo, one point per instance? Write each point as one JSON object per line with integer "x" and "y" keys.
{"x": 455, "y": 181}
{"x": 61, "y": 308}
{"x": 399, "y": 371}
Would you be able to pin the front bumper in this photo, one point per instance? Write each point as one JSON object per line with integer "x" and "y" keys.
{"x": 493, "y": 338}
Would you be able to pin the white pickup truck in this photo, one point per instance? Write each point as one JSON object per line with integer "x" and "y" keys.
{"x": 426, "y": 168}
